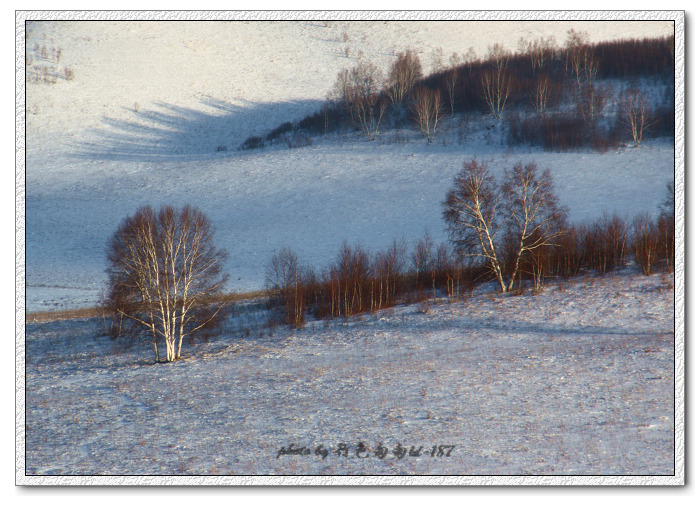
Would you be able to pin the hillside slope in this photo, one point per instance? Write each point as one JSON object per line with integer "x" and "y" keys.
{"x": 152, "y": 113}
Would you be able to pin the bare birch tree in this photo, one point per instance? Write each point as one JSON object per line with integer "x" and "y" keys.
{"x": 579, "y": 58}
{"x": 538, "y": 51}
{"x": 496, "y": 83}
{"x": 635, "y": 114}
{"x": 496, "y": 87}
{"x": 534, "y": 218}
{"x": 428, "y": 109}
{"x": 542, "y": 94}
{"x": 451, "y": 78}
{"x": 404, "y": 73}
{"x": 367, "y": 112}
{"x": 472, "y": 210}
{"x": 165, "y": 276}
{"x": 591, "y": 104}
{"x": 358, "y": 90}
{"x": 487, "y": 222}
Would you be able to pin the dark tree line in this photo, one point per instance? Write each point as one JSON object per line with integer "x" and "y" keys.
{"x": 539, "y": 78}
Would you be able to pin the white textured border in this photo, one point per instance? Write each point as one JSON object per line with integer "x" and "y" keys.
{"x": 678, "y": 17}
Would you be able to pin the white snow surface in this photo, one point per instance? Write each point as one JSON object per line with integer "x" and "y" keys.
{"x": 151, "y": 106}
{"x": 576, "y": 380}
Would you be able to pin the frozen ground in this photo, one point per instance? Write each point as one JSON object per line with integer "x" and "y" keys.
{"x": 150, "y": 108}
{"x": 578, "y": 380}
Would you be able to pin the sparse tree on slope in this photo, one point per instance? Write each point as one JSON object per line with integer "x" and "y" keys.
{"x": 496, "y": 82}
{"x": 579, "y": 58}
{"x": 451, "y": 79}
{"x": 538, "y": 51}
{"x": 428, "y": 109}
{"x": 591, "y": 104}
{"x": 542, "y": 94}
{"x": 635, "y": 114}
{"x": 358, "y": 91}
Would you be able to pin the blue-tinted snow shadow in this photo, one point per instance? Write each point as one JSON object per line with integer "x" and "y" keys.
{"x": 419, "y": 323}
{"x": 168, "y": 132}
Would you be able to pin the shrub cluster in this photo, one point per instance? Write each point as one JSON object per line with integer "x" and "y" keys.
{"x": 607, "y": 244}
{"x": 360, "y": 282}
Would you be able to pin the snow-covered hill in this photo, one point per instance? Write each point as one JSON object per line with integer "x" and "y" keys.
{"x": 152, "y": 113}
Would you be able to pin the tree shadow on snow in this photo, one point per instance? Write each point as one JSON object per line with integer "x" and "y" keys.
{"x": 475, "y": 324}
{"x": 169, "y": 132}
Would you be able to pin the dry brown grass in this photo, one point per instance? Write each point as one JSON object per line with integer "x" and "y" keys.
{"x": 68, "y": 314}
{"x": 94, "y": 312}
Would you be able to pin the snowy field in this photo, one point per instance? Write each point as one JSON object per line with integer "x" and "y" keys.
{"x": 151, "y": 107}
{"x": 577, "y": 380}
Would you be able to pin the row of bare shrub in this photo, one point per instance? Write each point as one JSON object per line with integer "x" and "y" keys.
{"x": 360, "y": 282}
{"x": 605, "y": 245}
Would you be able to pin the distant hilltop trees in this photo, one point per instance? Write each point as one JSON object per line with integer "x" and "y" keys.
{"x": 555, "y": 97}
